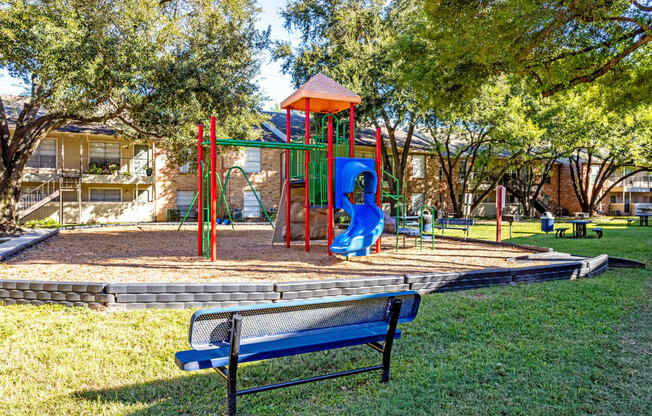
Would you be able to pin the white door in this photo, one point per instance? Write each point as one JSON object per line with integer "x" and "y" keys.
{"x": 251, "y": 209}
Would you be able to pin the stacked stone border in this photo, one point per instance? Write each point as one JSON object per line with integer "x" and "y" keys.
{"x": 135, "y": 296}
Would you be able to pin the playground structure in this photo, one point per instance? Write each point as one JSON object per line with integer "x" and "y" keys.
{"x": 309, "y": 165}
{"x": 323, "y": 169}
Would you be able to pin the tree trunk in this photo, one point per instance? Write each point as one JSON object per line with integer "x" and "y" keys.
{"x": 9, "y": 197}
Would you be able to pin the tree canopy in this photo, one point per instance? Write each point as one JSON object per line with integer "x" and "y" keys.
{"x": 555, "y": 45}
{"x": 353, "y": 42}
{"x": 150, "y": 69}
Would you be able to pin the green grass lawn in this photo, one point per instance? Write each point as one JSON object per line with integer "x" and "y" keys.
{"x": 579, "y": 347}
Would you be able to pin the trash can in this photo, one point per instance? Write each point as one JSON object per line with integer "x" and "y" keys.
{"x": 547, "y": 222}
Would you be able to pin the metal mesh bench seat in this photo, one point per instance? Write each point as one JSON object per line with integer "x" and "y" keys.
{"x": 222, "y": 338}
{"x": 311, "y": 341}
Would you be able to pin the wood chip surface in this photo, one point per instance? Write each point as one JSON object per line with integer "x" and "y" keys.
{"x": 160, "y": 253}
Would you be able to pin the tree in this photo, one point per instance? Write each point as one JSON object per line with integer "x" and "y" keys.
{"x": 601, "y": 142}
{"x": 150, "y": 69}
{"x": 556, "y": 45}
{"x": 353, "y": 41}
{"x": 478, "y": 141}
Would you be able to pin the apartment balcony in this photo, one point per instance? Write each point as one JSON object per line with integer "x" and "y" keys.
{"x": 637, "y": 183}
{"x": 122, "y": 170}
{"x": 117, "y": 171}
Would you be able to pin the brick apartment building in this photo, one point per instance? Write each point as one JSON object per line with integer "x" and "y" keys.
{"x": 105, "y": 179}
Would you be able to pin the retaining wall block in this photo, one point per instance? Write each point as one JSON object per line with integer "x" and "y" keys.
{"x": 203, "y": 297}
{"x": 65, "y": 287}
{"x": 271, "y": 295}
{"x": 58, "y": 296}
{"x": 221, "y": 297}
{"x": 8, "y": 284}
{"x": 431, "y": 277}
{"x": 184, "y": 297}
{"x": 73, "y": 296}
{"x": 42, "y": 295}
{"x": 87, "y": 297}
{"x": 16, "y": 294}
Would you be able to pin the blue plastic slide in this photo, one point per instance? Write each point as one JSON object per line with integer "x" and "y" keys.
{"x": 367, "y": 221}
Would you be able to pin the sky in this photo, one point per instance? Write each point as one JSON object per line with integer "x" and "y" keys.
{"x": 274, "y": 84}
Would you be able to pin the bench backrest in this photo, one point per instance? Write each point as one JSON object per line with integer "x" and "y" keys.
{"x": 455, "y": 221}
{"x": 211, "y": 328}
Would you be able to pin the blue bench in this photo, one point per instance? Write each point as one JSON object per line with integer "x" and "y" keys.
{"x": 455, "y": 224}
{"x": 223, "y": 338}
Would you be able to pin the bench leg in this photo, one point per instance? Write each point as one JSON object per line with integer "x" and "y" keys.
{"x": 231, "y": 382}
{"x": 389, "y": 339}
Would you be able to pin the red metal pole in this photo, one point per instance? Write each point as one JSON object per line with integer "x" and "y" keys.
{"x": 200, "y": 208}
{"x": 330, "y": 183}
{"x": 351, "y": 130}
{"x": 499, "y": 213}
{"x": 380, "y": 181}
{"x": 213, "y": 192}
{"x": 288, "y": 195}
{"x": 307, "y": 178}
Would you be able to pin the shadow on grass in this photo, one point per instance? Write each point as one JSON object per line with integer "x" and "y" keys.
{"x": 203, "y": 393}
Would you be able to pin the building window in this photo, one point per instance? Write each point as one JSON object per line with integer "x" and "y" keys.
{"x": 252, "y": 160}
{"x": 184, "y": 199}
{"x": 45, "y": 155}
{"x": 419, "y": 166}
{"x": 417, "y": 201}
{"x": 103, "y": 157}
{"x": 143, "y": 195}
{"x": 250, "y": 208}
{"x": 612, "y": 199}
{"x": 105, "y": 195}
{"x": 141, "y": 159}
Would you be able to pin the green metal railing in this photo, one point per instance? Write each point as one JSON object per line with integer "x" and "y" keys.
{"x": 399, "y": 200}
{"x": 318, "y": 164}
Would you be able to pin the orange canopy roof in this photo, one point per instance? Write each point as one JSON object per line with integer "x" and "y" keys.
{"x": 326, "y": 96}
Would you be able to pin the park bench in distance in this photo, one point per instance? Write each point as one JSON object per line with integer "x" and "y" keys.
{"x": 222, "y": 338}
{"x": 450, "y": 223}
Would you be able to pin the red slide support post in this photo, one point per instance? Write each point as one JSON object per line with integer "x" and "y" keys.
{"x": 200, "y": 208}
{"x": 330, "y": 183}
{"x": 307, "y": 178}
{"x": 351, "y": 129}
{"x": 213, "y": 240}
{"x": 379, "y": 175}
{"x": 288, "y": 194}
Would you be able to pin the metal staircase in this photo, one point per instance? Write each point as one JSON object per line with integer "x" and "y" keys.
{"x": 50, "y": 191}
{"x": 38, "y": 197}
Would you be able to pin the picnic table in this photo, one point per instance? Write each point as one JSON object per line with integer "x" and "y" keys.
{"x": 579, "y": 228}
{"x": 643, "y": 218}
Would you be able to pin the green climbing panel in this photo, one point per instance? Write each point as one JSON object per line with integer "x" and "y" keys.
{"x": 318, "y": 166}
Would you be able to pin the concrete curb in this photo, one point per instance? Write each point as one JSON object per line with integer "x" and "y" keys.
{"x": 18, "y": 244}
{"x": 139, "y": 296}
